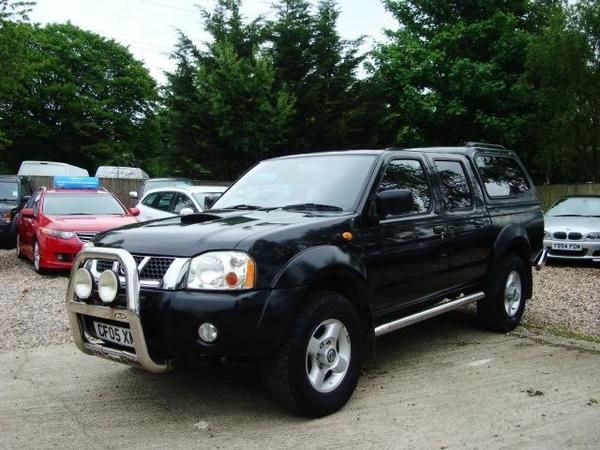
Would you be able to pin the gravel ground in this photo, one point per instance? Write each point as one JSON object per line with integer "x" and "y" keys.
{"x": 566, "y": 298}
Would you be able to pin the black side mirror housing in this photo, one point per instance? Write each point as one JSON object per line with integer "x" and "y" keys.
{"x": 394, "y": 202}
{"x": 210, "y": 200}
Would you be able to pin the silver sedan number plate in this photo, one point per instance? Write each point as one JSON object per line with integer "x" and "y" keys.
{"x": 116, "y": 335}
{"x": 566, "y": 246}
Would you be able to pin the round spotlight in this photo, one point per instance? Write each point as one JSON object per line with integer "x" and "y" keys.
{"x": 108, "y": 286}
{"x": 208, "y": 332}
{"x": 83, "y": 283}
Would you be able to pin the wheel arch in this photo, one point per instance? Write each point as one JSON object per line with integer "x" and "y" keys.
{"x": 513, "y": 239}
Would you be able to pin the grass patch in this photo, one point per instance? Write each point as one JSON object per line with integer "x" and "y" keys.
{"x": 561, "y": 331}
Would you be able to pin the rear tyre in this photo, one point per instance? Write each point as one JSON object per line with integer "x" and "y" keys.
{"x": 318, "y": 365}
{"x": 503, "y": 306}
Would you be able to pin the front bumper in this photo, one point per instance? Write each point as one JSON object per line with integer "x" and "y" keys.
{"x": 58, "y": 253}
{"x": 590, "y": 250}
{"x": 164, "y": 323}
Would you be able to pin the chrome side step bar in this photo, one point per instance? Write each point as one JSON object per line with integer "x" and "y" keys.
{"x": 427, "y": 314}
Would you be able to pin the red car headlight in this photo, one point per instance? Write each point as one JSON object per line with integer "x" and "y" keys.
{"x": 57, "y": 234}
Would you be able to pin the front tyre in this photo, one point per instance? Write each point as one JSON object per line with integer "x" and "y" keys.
{"x": 37, "y": 258}
{"x": 504, "y": 304}
{"x": 318, "y": 365}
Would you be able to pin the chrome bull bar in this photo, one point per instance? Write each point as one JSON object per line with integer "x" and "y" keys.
{"x": 76, "y": 309}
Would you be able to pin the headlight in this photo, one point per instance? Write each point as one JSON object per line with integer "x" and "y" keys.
{"x": 594, "y": 235}
{"x": 57, "y": 234}
{"x": 222, "y": 270}
{"x": 546, "y": 234}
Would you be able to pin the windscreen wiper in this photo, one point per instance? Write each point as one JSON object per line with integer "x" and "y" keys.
{"x": 568, "y": 215}
{"x": 312, "y": 207}
{"x": 243, "y": 206}
{"x": 8, "y": 199}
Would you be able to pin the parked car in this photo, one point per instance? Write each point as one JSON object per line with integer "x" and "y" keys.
{"x": 15, "y": 192}
{"x": 171, "y": 201}
{"x": 155, "y": 183}
{"x": 306, "y": 259}
{"x": 50, "y": 169}
{"x": 573, "y": 228}
{"x": 55, "y": 223}
{"x": 130, "y": 173}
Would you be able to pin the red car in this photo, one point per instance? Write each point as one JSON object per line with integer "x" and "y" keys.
{"x": 55, "y": 223}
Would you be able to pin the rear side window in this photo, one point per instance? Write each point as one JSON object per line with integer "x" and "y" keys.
{"x": 163, "y": 201}
{"x": 455, "y": 187}
{"x": 408, "y": 174}
{"x": 501, "y": 176}
{"x": 149, "y": 199}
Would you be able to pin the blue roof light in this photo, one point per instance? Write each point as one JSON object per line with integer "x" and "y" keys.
{"x": 63, "y": 182}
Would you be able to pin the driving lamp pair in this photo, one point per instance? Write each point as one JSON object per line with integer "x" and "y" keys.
{"x": 108, "y": 285}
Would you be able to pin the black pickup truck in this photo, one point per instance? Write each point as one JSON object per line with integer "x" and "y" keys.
{"x": 306, "y": 259}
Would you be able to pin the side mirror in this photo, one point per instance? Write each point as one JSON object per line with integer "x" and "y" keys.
{"x": 186, "y": 212}
{"x": 210, "y": 200}
{"x": 133, "y": 195}
{"x": 395, "y": 202}
{"x": 134, "y": 211}
{"x": 27, "y": 212}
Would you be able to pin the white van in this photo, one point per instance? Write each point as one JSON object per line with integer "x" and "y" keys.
{"x": 131, "y": 173}
{"x": 50, "y": 169}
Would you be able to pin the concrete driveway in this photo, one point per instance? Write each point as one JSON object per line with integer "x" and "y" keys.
{"x": 441, "y": 384}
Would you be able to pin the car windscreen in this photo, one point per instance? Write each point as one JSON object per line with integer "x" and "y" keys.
{"x": 333, "y": 181}
{"x": 576, "y": 206}
{"x": 81, "y": 204}
{"x": 9, "y": 190}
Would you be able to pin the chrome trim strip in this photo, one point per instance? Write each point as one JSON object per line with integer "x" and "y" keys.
{"x": 75, "y": 309}
{"x": 540, "y": 261}
{"x": 427, "y": 314}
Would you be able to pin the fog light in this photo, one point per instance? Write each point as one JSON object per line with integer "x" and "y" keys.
{"x": 83, "y": 283}
{"x": 207, "y": 332}
{"x": 108, "y": 286}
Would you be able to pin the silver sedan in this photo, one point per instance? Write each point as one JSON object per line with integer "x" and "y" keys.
{"x": 572, "y": 228}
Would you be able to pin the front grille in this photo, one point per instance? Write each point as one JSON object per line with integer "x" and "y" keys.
{"x": 103, "y": 265}
{"x": 578, "y": 253}
{"x": 86, "y": 236}
{"x": 560, "y": 235}
{"x": 575, "y": 236}
{"x": 154, "y": 269}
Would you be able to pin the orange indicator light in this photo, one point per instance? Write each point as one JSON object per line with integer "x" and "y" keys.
{"x": 347, "y": 235}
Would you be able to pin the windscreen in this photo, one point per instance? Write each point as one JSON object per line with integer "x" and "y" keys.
{"x": 8, "y": 191}
{"x": 576, "y": 206}
{"x": 81, "y": 204}
{"x": 333, "y": 180}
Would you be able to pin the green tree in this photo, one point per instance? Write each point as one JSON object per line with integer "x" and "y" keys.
{"x": 453, "y": 70}
{"x": 11, "y": 58}
{"x": 82, "y": 99}
{"x": 319, "y": 68}
{"x": 223, "y": 103}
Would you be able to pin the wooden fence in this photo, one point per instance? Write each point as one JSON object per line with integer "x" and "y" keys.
{"x": 549, "y": 193}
